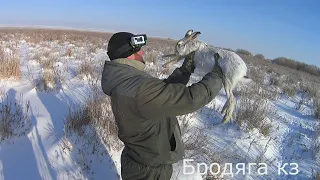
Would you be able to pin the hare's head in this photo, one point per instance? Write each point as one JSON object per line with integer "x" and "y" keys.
{"x": 188, "y": 44}
{"x": 185, "y": 46}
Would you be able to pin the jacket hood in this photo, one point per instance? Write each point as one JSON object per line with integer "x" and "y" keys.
{"x": 117, "y": 71}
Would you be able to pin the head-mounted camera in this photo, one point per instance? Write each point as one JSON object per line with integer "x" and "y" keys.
{"x": 137, "y": 41}
{"x": 134, "y": 44}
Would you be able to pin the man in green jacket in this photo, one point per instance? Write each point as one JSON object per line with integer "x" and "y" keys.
{"x": 145, "y": 108}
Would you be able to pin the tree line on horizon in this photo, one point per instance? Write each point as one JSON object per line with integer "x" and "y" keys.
{"x": 283, "y": 61}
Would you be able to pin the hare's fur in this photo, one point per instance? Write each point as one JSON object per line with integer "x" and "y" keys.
{"x": 233, "y": 67}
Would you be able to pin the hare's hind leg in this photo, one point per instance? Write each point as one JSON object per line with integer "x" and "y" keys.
{"x": 228, "y": 107}
{"x": 229, "y": 110}
{"x": 227, "y": 86}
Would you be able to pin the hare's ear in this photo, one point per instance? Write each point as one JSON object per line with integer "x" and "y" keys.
{"x": 188, "y": 33}
{"x": 216, "y": 56}
{"x": 195, "y": 35}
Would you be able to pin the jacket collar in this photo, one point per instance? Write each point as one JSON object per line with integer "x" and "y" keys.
{"x": 136, "y": 64}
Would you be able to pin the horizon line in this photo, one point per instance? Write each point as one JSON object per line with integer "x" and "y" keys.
{"x": 110, "y": 31}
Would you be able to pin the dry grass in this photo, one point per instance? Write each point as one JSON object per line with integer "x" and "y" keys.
{"x": 311, "y": 88}
{"x": 194, "y": 139}
{"x": 46, "y": 58}
{"x": 68, "y": 53}
{"x": 96, "y": 112}
{"x": 76, "y": 121}
{"x": 50, "y": 80}
{"x": 252, "y": 111}
{"x": 37, "y": 56}
{"x": 151, "y": 56}
{"x": 2, "y": 90}
{"x": 317, "y": 108}
{"x": 14, "y": 118}
{"x": 85, "y": 69}
{"x": 289, "y": 91}
{"x": 283, "y": 77}
{"x": 49, "y": 61}
{"x": 316, "y": 152}
{"x": 256, "y": 75}
{"x": 38, "y": 35}
{"x": 10, "y": 65}
{"x": 91, "y": 130}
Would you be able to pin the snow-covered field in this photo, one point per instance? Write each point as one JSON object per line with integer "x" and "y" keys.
{"x": 60, "y": 76}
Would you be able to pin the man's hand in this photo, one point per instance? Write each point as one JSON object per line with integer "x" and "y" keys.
{"x": 216, "y": 67}
{"x": 188, "y": 63}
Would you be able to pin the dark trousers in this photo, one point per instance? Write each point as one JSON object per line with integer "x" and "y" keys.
{"x": 131, "y": 170}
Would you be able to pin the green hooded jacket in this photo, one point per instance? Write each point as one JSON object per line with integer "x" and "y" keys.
{"x": 145, "y": 108}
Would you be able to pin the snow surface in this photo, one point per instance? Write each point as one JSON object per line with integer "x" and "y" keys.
{"x": 40, "y": 154}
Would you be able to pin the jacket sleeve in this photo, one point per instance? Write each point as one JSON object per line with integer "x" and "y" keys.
{"x": 155, "y": 98}
{"x": 178, "y": 76}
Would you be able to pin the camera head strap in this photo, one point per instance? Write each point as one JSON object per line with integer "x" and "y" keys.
{"x": 135, "y": 43}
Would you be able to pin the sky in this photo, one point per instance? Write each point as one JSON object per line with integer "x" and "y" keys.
{"x": 274, "y": 28}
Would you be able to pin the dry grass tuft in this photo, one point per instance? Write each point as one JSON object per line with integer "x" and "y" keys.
{"x": 91, "y": 130}
{"x": 68, "y": 52}
{"x": 96, "y": 113}
{"x": 317, "y": 108}
{"x": 10, "y": 65}
{"x": 2, "y": 90}
{"x": 14, "y": 118}
{"x": 49, "y": 81}
{"x": 151, "y": 56}
{"x": 252, "y": 112}
{"x": 46, "y": 60}
{"x": 85, "y": 69}
{"x": 257, "y": 75}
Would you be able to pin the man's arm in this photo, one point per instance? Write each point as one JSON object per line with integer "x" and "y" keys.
{"x": 156, "y": 98}
{"x": 182, "y": 74}
{"x": 179, "y": 75}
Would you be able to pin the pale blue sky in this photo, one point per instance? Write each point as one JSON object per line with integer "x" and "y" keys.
{"x": 274, "y": 28}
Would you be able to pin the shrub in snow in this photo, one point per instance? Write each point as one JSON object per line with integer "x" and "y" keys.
{"x": 257, "y": 75}
{"x": 96, "y": 112}
{"x": 316, "y": 153}
{"x": 49, "y": 80}
{"x": 259, "y": 56}
{"x": 252, "y": 111}
{"x": 14, "y": 118}
{"x": 243, "y": 52}
{"x": 194, "y": 139}
{"x": 85, "y": 69}
{"x": 289, "y": 90}
{"x": 91, "y": 130}
{"x": 151, "y": 56}
{"x": 275, "y": 79}
{"x": 68, "y": 52}
{"x": 317, "y": 108}
{"x": 310, "y": 88}
{"x": 10, "y": 65}
{"x": 2, "y": 90}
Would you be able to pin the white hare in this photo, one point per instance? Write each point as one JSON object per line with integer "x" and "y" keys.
{"x": 233, "y": 67}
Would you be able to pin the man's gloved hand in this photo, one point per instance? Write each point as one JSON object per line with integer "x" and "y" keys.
{"x": 188, "y": 63}
{"x": 216, "y": 67}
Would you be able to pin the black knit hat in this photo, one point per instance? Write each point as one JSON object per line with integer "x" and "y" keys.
{"x": 119, "y": 46}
